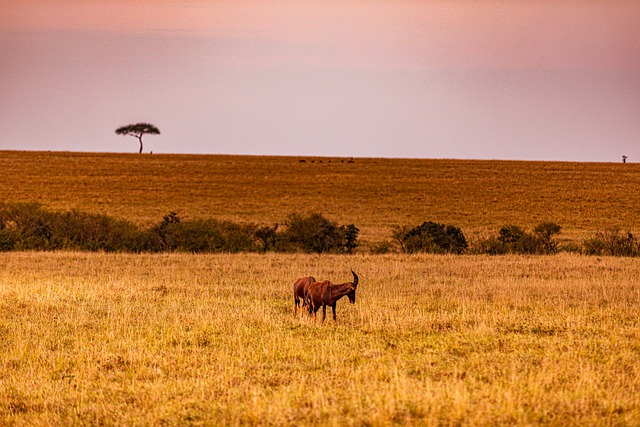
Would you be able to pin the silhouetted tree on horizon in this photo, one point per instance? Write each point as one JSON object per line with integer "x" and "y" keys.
{"x": 138, "y": 130}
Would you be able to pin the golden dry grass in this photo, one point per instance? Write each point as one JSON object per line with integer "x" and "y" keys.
{"x": 96, "y": 339}
{"x": 375, "y": 194}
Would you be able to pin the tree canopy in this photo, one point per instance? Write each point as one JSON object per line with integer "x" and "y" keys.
{"x": 138, "y": 130}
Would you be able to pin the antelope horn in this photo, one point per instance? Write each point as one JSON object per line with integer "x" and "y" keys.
{"x": 355, "y": 279}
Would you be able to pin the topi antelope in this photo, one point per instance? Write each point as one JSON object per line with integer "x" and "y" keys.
{"x": 299, "y": 289}
{"x": 323, "y": 294}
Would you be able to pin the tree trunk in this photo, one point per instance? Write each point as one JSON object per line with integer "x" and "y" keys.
{"x": 140, "y": 139}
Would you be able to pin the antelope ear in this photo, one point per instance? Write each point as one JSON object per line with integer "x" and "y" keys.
{"x": 353, "y": 288}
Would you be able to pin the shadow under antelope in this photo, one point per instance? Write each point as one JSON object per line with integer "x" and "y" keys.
{"x": 327, "y": 293}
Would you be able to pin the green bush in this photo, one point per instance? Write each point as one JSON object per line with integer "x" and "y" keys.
{"x": 510, "y": 235}
{"x": 27, "y": 226}
{"x": 81, "y": 231}
{"x": 512, "y": 239}
{"x": 198, "y": 236}
{"x": 431, "y": 237}
{"x": 313, "y": 233}
{"x": 544, "y": 233}
{"x": 8, "y": 240}
{"x": 350, "y": 237}
{"x": 381, "y": 248}
{"x": 612, "y": 242}
{"x": 30, "y": 227}
{"x": 489, "y": 246}
{"x": 268, "y": 236}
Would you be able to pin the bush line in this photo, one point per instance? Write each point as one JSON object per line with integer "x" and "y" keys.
{"x": 30, "y": 227}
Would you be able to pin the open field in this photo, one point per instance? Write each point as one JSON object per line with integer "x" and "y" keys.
{"x": 182, "y": 339}
{"x": 375, "y": 194}
{"x": 101, "y": 339}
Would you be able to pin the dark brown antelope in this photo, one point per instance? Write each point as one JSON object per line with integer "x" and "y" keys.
{"x": 299, "y": 289}
{"x": 323, "y": 294}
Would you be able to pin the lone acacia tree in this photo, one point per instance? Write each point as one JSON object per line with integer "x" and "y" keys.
{"x": 138, "y": 130}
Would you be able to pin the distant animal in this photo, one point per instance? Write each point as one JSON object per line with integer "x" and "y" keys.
{"x": 326, "y": 294}
{"x": 299, "y": 288}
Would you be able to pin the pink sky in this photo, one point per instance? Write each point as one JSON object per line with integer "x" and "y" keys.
{"x": 407, "y": 78}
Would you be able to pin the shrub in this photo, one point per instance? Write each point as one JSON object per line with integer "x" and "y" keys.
{"x": 314, "y": 233}
{"x": 198, "y": 236}
{"x": 489, "y": 245}
{"x": 612, "y": 242}
{"x": 431, "y": 237}
{"x": 383, "y": 247}
{"x": 8, "y": 240}
{"x": 350, "y": 237}
{"x": 513, "y": 239}
{"x": 268, "y": 236}
{"x": 510, "y": 234}
{"x": 81, "y": 231}
{"x": 27, "y": 226}
{"x": 544, "y": 233}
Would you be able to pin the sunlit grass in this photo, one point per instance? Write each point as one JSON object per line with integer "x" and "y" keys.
{"x": 185, "y": 339}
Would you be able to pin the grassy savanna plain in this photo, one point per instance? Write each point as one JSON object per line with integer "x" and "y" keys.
{"x": 375, "y": 194}
{"x": 121, "y": 339}
{"x": 184, "y": 339}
